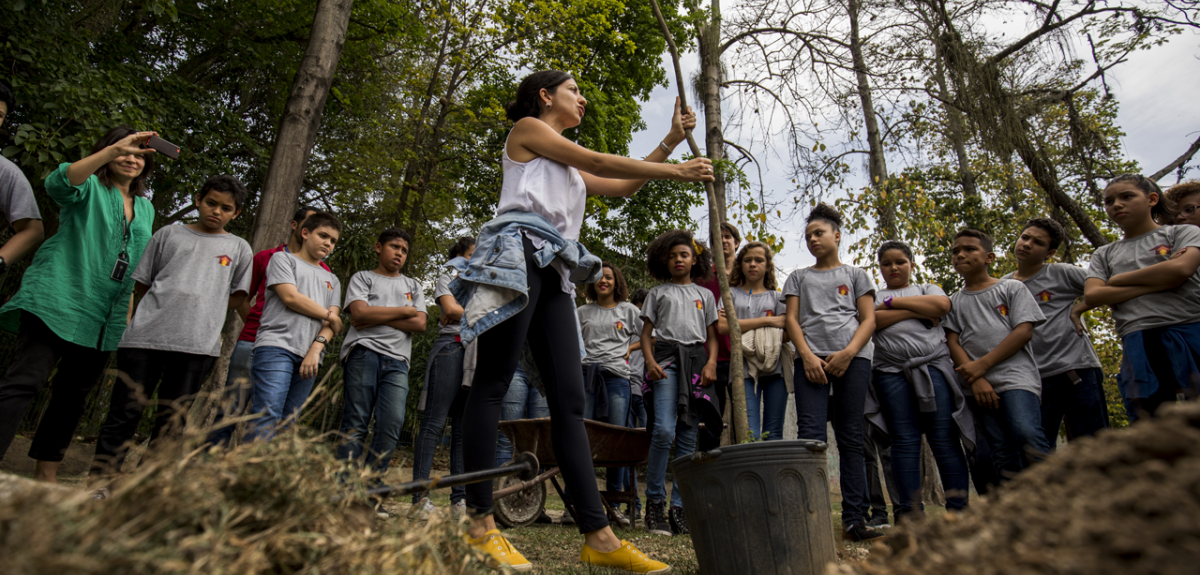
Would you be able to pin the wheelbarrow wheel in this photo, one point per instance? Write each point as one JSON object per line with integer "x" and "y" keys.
{"x": 521, "y": 508}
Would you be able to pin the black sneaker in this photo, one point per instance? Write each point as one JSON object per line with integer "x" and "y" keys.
{"x": 678, "y": 521}
{"x": 656, "y": 518}
{"x": 566, "y": 519}
{"x": 878, "y": 521}
{"x": 860, "y": 532}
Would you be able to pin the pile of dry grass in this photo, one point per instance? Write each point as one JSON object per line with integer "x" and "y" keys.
{"x": 258, "y": 508}
{"x": 1125, "y": 502}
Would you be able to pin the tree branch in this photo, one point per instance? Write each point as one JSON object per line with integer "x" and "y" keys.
{"x": 1181, "y": 160}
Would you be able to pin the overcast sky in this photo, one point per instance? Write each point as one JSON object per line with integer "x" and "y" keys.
{"x": 1159, "y": 92}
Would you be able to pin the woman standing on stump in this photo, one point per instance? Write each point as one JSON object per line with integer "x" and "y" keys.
{"x": 519, "y": 286}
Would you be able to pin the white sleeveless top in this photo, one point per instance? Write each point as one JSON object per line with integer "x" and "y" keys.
{"x": 543, "y": 186}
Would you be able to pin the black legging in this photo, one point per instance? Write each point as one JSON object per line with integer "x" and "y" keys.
{"x": 548, "y": 322}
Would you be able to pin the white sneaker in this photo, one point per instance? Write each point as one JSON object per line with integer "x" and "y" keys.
{"x": 422, "y": 509}
{"x": 459, "y": 510}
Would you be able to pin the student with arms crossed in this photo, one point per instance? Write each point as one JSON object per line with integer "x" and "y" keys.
{"x": 914, "y": 381}
{"x": 386, "y": 307}
{"x": 189, "y": 278}
{"x": 74, "y": 298}
{"x": 238, "y": 383}
{"x": 1151, "y": 280}
{"x": 830, "y": 318}
{"x": 989, "y": 330}
{"x": 300, "y": 315}
{"x": 17, "y": 204}
{"x": 679, "y": 326}
{"x": 1072, "y": 381}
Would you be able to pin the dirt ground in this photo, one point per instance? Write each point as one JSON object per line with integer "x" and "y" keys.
{"x": 1125, "y": 502}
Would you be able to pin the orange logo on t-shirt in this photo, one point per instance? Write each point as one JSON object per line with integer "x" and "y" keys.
{"x": 620, "y": 326}
{"x": 1162, "y": 250}
{"x": 699, "y": 304}
{"x": 224, "y": 261}
{"x": 769, "y": 313}
{"x": 408, "y": 296}
{"x": 1045, "y": 295}
{"x": 1003, "y": 309}
{"x": 329, "y": 285}
{"x": 843, "y": 290}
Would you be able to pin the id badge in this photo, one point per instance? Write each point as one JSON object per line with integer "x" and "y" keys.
{"x": 118, "y": 271}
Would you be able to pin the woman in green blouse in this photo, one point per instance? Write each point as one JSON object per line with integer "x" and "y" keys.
{"x": 74, "y": 298}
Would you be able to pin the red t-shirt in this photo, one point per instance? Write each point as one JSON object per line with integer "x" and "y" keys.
{"x": 258, "y": 286}
{"x": 714, "y": 286}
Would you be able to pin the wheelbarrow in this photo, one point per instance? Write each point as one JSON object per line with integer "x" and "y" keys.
{"x": 519, "y": 503}
{"x": 520, "y": 495}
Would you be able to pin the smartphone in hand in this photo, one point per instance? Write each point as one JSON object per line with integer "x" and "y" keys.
{"x": 163, "y": 147}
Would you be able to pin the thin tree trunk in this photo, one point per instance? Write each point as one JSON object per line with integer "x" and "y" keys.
{"x": 957, "y": 134}
{"x": 876, "y": 162}
{"x": 740, "y": 425}
{"x": 709, "y": 38}
{"x": 301, "y": 120}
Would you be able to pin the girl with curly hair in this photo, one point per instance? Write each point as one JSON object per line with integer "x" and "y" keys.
{"x": 681, "y": 314}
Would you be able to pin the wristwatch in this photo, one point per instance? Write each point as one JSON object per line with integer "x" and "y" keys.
{"x": 887, "y": 303}
{"x": 321, "y": 340}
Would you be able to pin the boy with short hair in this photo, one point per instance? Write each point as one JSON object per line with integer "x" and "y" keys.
{"x": 386, "y": 307}
{"x": 236, "y": 398}
{"x": 988, "y": 330}
{"x": 299, "y": 317}
{"x": 188, "y": 278}
{"x": 1072, "y": 381}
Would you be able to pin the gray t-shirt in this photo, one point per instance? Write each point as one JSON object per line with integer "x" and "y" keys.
{"x": 904, "y": 340}
{"x": 382, "y": 291}
{"x": 442, "y": 287}
{"x": 753, "y": 306}
{"x": 1056, "y": 346}
{"x": 1174, "y": 307}
{"x": 680, "y": 313}
{"x": 282, "y": 327}
{"x": 191, "y": 276}
{"x": 982, "y": 319}
{"x": 607, "y": 333}
{"x": 637, "y": 361}
{"x": 16, "y": 196}
{"x": 829, "y": 307}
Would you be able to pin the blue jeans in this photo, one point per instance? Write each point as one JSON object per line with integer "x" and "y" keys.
{"x": 637, "y": 418}
{"x": 1081, "y": 406}
{"x": 906, "y": 423}
{"x": 815, "y": 407}
{"x": 667, "y": 428}
{"x": 771, "y": 401}
{"x": 520, "y": 402}
{"x": 1014, "y": 431}
{"x": 375, "y": 383}
{"x": 444, "y": 399}
{"x": 618, "y": 414}
{"x": 238, "y": 384}
{"x": 279, "y": 391}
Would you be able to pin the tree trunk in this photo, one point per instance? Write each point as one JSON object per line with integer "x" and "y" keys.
{"x": 876, "y": 162}
{"x": 709, "y": 38}
{"x": 301, "y": 119}
{"x": 740, "y": 425}
{"x": 957, "y": 134}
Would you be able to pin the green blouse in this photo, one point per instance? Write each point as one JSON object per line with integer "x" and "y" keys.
{"x": 69, "y": 285}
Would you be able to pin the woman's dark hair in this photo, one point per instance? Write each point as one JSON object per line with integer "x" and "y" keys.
{"x": 460, "y": 247}
{"x": 660, "y": 250}
{"x": 1052, "y": 229}
{"x": 639, "y": 296}
{"x": 137, "y": 187}
{"x": 825, "y": 212}
{"x": 393, "y": 233}
{"x": 301, "y": 213}
{"x": 1164, "y": 211}
{"x": 738, "y": 278}
{"x": 1180, "y": 192}
{"x": 620, "y": 288}
{"x": 893, "y": 245}
{"x": 228, "y": 184}
{"x": 529, "y": 93}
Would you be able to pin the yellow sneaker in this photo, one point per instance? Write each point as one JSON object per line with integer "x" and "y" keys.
{"x": 500, "y": 550}
{"x": 627, "y": 558}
